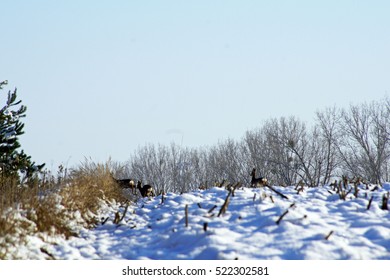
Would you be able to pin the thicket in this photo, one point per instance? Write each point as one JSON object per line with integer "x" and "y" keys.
{"x": 352, "y": 142}
{"x": 56, "y": 204}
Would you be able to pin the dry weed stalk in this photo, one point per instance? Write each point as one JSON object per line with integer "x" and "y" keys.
{"x": 118, "y": 218}
{"x": 385, "y": 201}
{"x": 186, "y": 214}
{"x": 281, "y": 217}
{"x": 212, "y": 209}
{"x": 369, "y": 202}
{"x": 342, "y": 188}
{"x": 277, "y": 192}
{"x": 285, "y": 213}
{"x": 225, "y": 205}
{"x": 328, "y": 235}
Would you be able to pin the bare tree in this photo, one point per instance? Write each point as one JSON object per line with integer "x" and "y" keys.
{"x": 150, "y": 165}
{"x": 257, "y": 154}
{"x": 380, "y": 130}
{"x": 328, "y": 123}
{"x": 283, "y": 140}
{"x": 352, "y": 142}
{"x": 366, "y": 145}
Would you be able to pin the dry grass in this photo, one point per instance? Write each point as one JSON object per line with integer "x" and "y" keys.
{"x": 89, "y": 186}
{"x": 54, "y": 206}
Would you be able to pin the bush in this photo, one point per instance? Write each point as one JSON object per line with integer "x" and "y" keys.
{"x": 56, "y": 206}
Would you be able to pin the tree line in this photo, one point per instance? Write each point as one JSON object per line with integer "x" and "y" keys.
{"x": 352, "y": 142}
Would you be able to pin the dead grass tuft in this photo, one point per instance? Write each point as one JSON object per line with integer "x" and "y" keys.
{"x": 90, "y": 185}
{"x": 54, "y": 206}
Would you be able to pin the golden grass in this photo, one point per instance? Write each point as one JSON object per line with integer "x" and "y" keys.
{"x": 55, "y": 206}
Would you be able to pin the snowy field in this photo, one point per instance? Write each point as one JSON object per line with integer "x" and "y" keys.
{"x": 313, "y": 224}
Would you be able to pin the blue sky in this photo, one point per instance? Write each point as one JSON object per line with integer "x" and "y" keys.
{"x": 101, "y": 78}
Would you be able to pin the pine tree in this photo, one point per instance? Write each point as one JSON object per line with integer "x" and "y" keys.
{"x": 12, "y": 160}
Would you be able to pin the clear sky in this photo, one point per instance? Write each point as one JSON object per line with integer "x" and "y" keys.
{"x": 101, "y": 78}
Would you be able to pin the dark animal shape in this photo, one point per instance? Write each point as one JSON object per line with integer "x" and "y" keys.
{"x": 126, "y": 183}
{"x": 258, "y": 182}
{"x": 146, "y": 190}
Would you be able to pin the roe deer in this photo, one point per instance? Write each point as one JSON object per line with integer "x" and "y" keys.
{"x": 125, "y": 183}
{"x": 257, "y": 182}
{"x": 146, "y": 190}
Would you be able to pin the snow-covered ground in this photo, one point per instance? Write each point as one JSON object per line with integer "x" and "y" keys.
{"x": 318, "y": 225}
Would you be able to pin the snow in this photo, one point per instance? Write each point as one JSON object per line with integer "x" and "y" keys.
{"x": 248, "y": 230}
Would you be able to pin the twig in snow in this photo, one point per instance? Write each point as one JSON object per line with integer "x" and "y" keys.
{"x": 236, "y": 186}
{"x": 212, "y": 209}
{"x": 329, "y": 234}
{"x": 225, "y": 205}
{"x": 43, "y": 250}
{"x": 356, "y": 190}
{"x": 105, "y": 220}
{"x": 301, "y": 189}
{"x": 124, "y": 213}
{"x": 369, "y": 202}
{"x": 385, "y": 200}
{"x": 118, "y": 218}
{"x": 277, "y": 192}
{"x": 186, "y": 212}
{"x": 281, "y": 217}
{"x": 375, "y": 189}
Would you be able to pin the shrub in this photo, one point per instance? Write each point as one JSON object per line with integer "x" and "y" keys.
{"x": 55, "y": 206}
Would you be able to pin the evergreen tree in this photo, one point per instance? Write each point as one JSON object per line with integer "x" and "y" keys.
{"x": 12, "y": 160}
